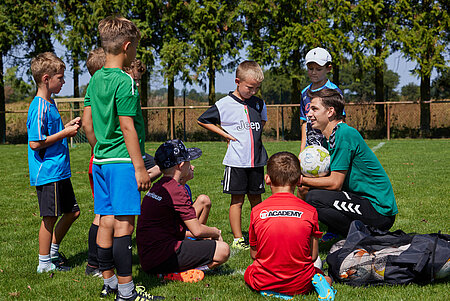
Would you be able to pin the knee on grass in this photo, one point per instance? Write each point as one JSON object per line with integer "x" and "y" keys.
{"x": 221, "y": 254}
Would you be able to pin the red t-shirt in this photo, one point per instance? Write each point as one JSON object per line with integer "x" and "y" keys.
{"x": 160, "y": 227}
{"x": 281, "y": 228}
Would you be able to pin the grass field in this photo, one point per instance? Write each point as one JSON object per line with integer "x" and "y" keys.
{"x": 419, "y": 171}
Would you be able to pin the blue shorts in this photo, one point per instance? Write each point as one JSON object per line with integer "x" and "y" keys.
{"x": 115, "y": 189}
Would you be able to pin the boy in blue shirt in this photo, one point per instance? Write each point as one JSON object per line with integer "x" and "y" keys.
{"x": 318, "y": 63}
{"x": 48, "y": 160}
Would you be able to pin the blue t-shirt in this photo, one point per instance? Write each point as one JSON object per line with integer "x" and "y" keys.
{"x": 305, "y": 102}
{"x": 50, "y": 164}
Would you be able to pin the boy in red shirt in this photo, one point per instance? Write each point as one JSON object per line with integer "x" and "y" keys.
{"x": 284, "y": 237}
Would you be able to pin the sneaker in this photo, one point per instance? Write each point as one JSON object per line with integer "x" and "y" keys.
{"x": 276, "y": 295}
{"x": 325, "y": 291}
{"x": 60, "y": 259}
{"x": 329, "y": 237}
{"x": 51, "y": 268}
{"x": 191, "y": 276}
{"x": 240, "y": 244}
{"x": 92, "y": 271}
{"x": 107, "y": 290}
{"x": 139, "y": 294}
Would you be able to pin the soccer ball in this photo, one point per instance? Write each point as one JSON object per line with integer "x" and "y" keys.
{"x": 356, "y": 266}
{"x": 314, "y": 161}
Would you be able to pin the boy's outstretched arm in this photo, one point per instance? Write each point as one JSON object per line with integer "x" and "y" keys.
{"x": 88, "y": 126}
{"x": 70, "y": 130}
{"x": 215, "y": 129}
{"x": 132, "y": 142}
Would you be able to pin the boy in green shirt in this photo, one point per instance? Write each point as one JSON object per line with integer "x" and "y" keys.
{"x": 118, "y": 171}
{"x": 357, "y": 187}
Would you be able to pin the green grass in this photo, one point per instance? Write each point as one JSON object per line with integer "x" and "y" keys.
{"x": 419, "y": 171}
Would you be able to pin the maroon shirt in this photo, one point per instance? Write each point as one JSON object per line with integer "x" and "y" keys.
{"x": 160, "y": 227}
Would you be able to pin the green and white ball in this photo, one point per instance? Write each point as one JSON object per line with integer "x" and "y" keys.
{"x": 314, "y": 161}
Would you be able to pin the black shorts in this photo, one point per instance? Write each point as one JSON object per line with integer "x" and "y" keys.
{"x": 237, "y": 180}
{"x": 56, "y": 198}
{"x": 190, "y": 255}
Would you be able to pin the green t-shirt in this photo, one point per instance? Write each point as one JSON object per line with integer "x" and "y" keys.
{"x": 112, "y": 93}
{"x": 365, "y": 174}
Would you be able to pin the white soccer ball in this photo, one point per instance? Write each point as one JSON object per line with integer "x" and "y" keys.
{"x": 314, "y": 161}
{"x": 356, "y": 266}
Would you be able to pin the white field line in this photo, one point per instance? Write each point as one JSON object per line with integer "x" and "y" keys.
{"x": 376, "y": 147}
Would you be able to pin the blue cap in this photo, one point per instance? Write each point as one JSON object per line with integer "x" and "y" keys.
{"x": 173, "y": 152}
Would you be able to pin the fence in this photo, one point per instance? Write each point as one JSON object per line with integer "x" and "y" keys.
{"x": 402, "y": 120}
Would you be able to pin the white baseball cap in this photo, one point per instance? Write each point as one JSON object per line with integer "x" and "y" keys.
{"x": 318, "y": 55}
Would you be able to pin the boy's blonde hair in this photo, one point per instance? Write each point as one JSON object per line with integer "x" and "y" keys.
{"x": 283, "y": 169}
{"x": 96, "y": 60}
{"x": 114, "y": 31}
{"x": 45, "y": 63}
{"x": 249, "y": 70}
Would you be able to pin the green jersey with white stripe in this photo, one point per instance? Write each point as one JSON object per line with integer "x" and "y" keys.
{"x": 112, "y": 93}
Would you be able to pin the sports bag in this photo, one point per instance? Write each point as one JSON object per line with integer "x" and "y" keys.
{"x": 373, "y": 257}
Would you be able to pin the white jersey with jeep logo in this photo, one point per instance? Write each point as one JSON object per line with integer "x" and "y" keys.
{"x": 242, "y": 120}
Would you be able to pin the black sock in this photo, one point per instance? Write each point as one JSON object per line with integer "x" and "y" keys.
{"x": 123, "y": 255}
{"x": 105, "y": 258}
{"x": 92, "y": 246}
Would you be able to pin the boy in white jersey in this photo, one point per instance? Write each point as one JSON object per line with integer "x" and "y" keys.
{"x": 242, "y": 117}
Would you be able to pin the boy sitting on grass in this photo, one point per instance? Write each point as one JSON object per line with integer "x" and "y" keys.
{"x": 284, "y": 237}
{"x": 167, "y": 212}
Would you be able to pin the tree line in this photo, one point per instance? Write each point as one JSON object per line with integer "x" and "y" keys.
{"x": 193, "y": 41}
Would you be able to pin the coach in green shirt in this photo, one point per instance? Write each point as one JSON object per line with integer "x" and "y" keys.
{"x": 357, "y": 187}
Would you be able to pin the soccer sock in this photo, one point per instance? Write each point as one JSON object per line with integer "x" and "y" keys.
{"x": 123, "y": 255}
{"x": 45, "y": 262}
{"x": 237, "y": 239}
{"x": 112, "y": 282}
{"x": 92, "y": 246}
{"x": 126, "y": 289}
{"x": 105, "y": 258}
{"x": 54, "y": 251}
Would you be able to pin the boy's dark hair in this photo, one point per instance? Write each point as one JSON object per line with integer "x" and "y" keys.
{"x": 45, "y": 63}
{"x": 283, "y": 169}
{"x": 250, "y": 69}
{"x": 114, "y": 31}
{"x": 137, "y": 65}
{"x": 96, "y": 60}
{"x": 330, "y": 98}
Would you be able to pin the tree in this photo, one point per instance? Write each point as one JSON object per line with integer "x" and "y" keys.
{"x": 411, "y": 91}
{"x": 423, "y": 35}
{"x": 150, "y": 26}
{"x": 373, "y": 30}
{"x": 360, "y": 85}
{"x": 216, "y": 29}
{"x": 440, "y": 88}
{"x": 16, "y": 89}
{"x": 77, "y": 23}
{"x": 10, "y": 36}
{"x": 176, "y": 47}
